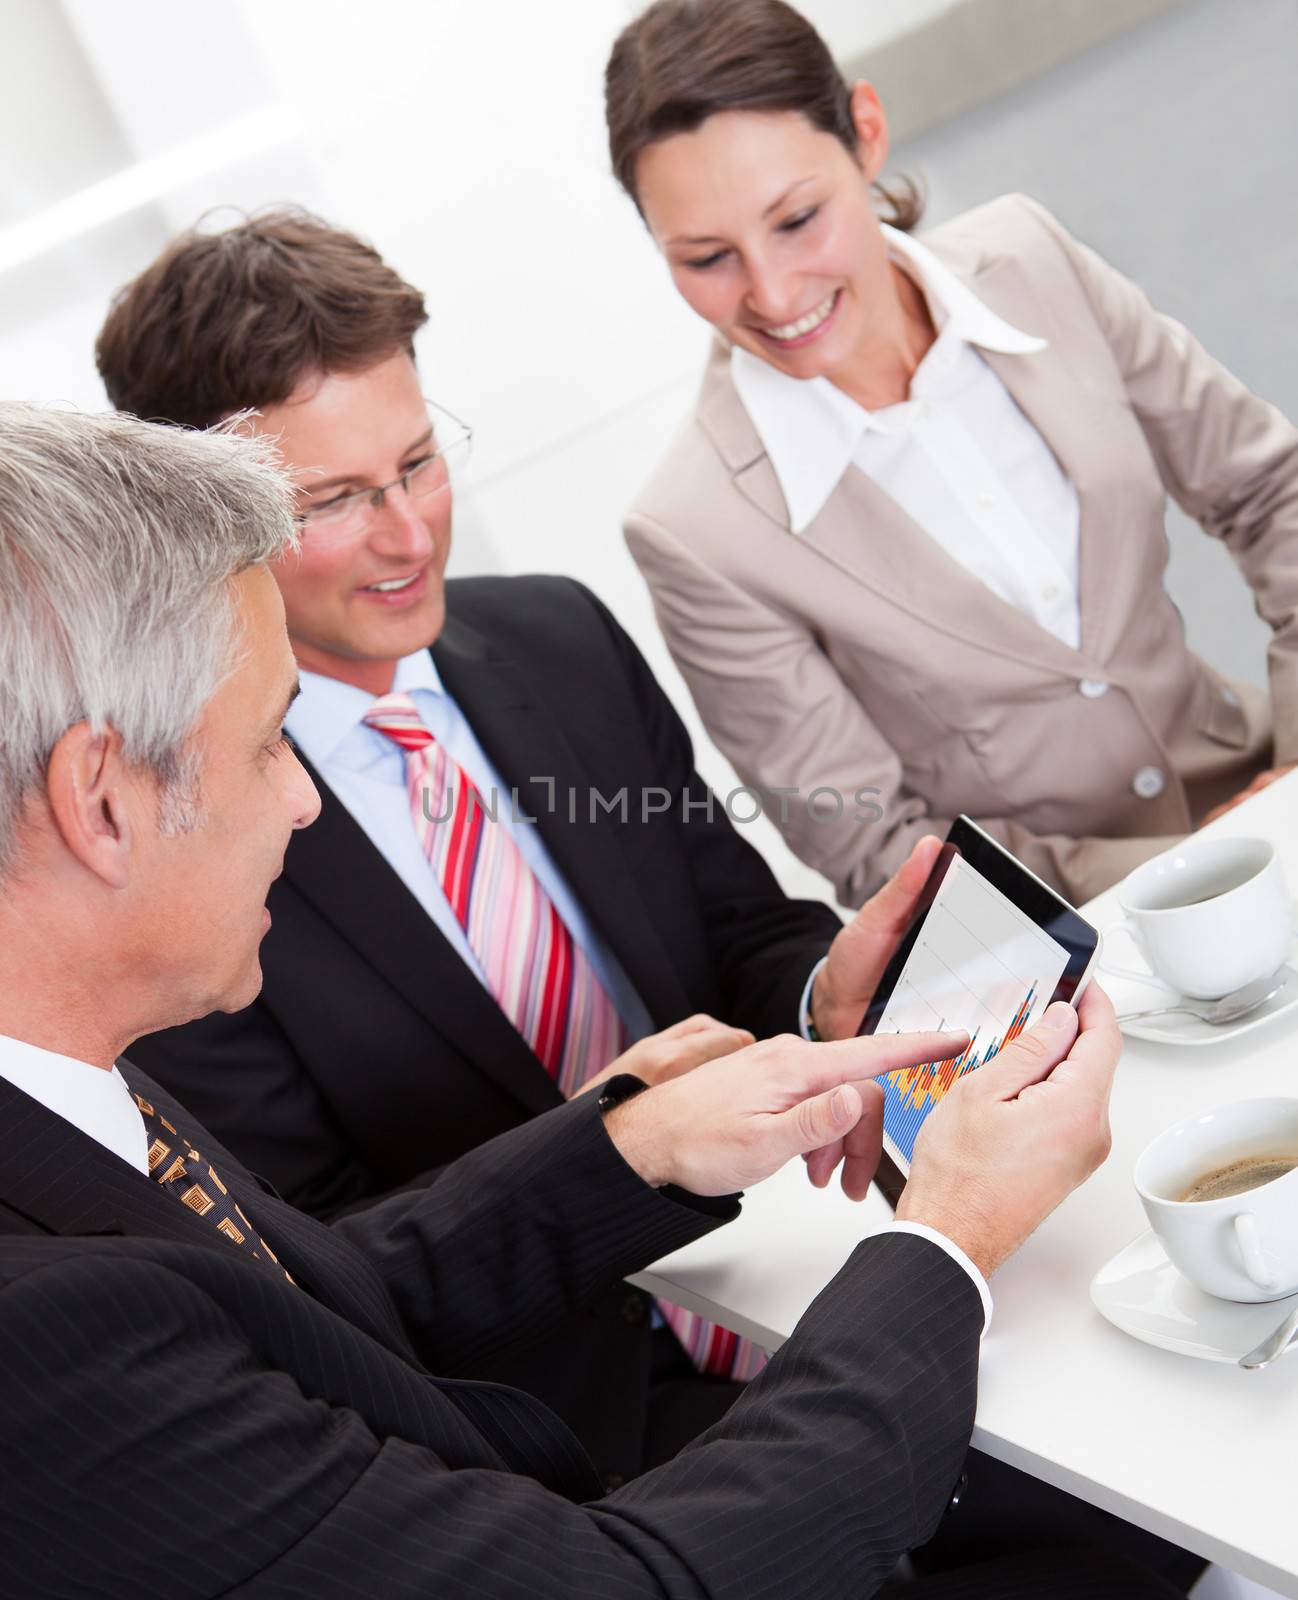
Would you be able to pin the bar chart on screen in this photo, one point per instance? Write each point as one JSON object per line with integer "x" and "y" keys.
{"x": 980, "y": 965}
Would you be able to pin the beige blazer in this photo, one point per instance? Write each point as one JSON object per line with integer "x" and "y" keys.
{"x": 859, "y": 660}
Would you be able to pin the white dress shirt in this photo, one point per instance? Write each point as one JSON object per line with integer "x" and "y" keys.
{"x": 366, "y": 770}
{"x": 97, "y": 1102}
{"x": 957, "y": 455}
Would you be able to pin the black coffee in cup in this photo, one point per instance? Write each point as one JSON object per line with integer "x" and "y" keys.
{"x": 1237, "y": 1177}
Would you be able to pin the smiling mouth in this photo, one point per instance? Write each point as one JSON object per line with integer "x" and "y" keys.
{"x": 393, "y": 585}
{"x": 789, "y": 332}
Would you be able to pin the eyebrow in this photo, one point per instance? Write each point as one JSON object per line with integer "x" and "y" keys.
{"x": 352, "y": 477}
{"x": 712, "y": 238}
{"x": 278, "y": 723}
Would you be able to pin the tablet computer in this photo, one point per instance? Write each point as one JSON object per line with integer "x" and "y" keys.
{"x": 988, "y": 949}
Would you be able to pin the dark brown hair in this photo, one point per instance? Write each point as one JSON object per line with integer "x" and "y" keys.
{"x": 224, "y": 321}
{"x": 682, "y": 61}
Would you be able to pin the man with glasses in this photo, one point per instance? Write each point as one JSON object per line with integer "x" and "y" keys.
{"x": 517, "y": 885}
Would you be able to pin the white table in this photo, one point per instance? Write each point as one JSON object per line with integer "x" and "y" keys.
{"x": 1201, "y": 1453}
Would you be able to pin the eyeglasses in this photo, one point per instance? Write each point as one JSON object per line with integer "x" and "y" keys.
{"x": 347, "y": 516}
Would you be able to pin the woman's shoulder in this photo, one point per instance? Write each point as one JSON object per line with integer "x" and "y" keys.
{"x": 1009, "y": 221}
{"x": 1010, "y": 225}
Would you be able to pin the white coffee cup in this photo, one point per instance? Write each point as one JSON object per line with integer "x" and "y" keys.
{"x": 1209, "y": 916}
{"x": 1242, "y": 1247}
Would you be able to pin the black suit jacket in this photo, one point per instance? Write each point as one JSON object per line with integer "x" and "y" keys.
{"x": 177, "y": 1420}
{"x": 374, "y": 1055}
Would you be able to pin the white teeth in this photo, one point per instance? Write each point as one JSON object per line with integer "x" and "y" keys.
{"x": 389, "y": 584}
{"x": 813, "y": 319}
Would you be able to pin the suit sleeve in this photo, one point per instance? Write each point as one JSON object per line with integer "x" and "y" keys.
{"x": 763, "y": 942}
{"x": 777, "y": 706}
{"x": 1227, "y": 457}
{"x": 152, "y": 1447}
{"x": 511, "y": 1238}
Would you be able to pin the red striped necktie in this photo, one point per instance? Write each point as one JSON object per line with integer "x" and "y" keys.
{"x": 539, "y": 975}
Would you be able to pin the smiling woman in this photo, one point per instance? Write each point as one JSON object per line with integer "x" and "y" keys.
{"x": 908, "y": 551}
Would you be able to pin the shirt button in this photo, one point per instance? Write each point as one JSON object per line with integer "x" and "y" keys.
{"x": 1050, "y": 592}
{"x": 615, "y": 1480}
{"x": 986, "y": 500}
{"x": 1093, "y": 688}
{"x": 1149, "y": 783}
{"x": 1230, "y": 697}
{"x": 634, "y": 1309}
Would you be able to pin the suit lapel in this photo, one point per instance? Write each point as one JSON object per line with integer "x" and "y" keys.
{"x": 69, "y": 1184}
{"x": 335, "y": 866}
{"x": 534, "y": 756}
{"x": 1080, "y": 421}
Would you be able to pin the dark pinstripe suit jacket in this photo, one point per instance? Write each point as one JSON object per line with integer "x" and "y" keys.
{"x": 177, "y": 1420}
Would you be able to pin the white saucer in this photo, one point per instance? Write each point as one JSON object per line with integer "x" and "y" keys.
{"x": 1129, "y": 994}
{"x": 1141, "y": 1292}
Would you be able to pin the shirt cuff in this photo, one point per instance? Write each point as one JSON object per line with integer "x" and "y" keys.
{"x": 921, "y": 1231}
{"x": 804, "y": 1005}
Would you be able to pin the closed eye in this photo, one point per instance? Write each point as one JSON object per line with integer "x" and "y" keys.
{"x": 792, "y": 224}
{"x": 702, "y": 263}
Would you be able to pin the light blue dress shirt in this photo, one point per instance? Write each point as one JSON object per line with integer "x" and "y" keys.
{"x": 367, "y": 773}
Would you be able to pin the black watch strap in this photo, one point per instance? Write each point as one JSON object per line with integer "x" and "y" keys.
{"x": 625, "y": 1086}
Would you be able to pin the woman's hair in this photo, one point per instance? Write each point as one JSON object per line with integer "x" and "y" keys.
{"x": 682, "y": 61}
{"x": 222, "y": 322}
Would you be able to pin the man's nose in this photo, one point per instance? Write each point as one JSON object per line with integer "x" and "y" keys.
{"x": 399, "y": 530}
{"x": 304, "y": 797}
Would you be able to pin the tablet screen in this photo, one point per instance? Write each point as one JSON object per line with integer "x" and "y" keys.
{"x": 979, "y": 965}
{"x": 989, "y": 947}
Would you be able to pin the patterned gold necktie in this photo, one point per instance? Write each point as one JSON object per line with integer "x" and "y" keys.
{"x": 183, "y": 1173}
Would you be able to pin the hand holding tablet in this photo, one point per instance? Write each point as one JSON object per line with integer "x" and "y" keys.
{"x": 988, "y": 948}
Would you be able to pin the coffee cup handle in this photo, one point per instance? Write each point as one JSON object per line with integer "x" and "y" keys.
{"x": 1250, "y": 1250}
{"x": 1133, "y": 933}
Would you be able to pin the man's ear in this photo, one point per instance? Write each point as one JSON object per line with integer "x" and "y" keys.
{"x": 89, "y": 792}
{"x": 871, "y": 129}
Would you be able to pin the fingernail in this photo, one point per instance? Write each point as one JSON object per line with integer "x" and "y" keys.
{"x": 838, "y": 1106}
{"x": 1058, "y": 1015}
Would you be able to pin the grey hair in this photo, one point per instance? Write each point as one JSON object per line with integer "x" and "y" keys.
{"x": 118, "y": 539}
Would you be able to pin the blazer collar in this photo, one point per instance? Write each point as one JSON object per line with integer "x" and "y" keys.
{"x": 899, "y": 560}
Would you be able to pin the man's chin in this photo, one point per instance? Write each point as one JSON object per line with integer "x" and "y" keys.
{"x": 241, "y": 995}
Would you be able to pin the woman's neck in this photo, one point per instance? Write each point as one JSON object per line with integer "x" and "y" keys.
{"x": 880, "y": 371}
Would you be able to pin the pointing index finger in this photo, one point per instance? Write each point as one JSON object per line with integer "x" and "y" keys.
{"x": 871, "y": 1056}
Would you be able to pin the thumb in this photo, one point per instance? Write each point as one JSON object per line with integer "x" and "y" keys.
{"x": 822, "y": 1119}
{"x": 1034, "y": 1055}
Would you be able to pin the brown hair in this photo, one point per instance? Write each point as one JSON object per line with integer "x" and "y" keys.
{"x": 224, "y": 321}
{"x": 682, "y": 61}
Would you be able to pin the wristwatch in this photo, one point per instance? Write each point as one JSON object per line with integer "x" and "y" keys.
{"x": 625, "y": 1086}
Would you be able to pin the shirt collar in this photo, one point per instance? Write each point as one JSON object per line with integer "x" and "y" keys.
{"x": 810, "y": 429}
{"x": 328, "y": 710}
{"x": 97, "y": 1102}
